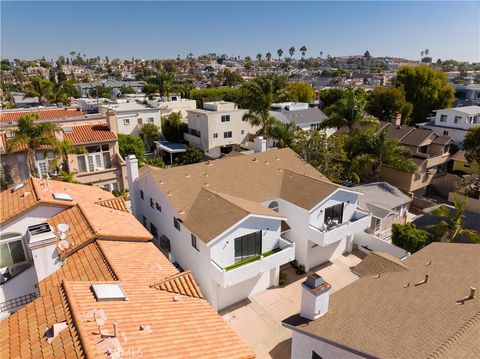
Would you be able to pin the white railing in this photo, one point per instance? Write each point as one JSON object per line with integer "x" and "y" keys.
{"x": 228, "y": 277}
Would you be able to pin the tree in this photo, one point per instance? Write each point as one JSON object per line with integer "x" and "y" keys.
{"x": 41, "y": 88}
{"x": 349, "y": 112}
{"x": 384, "y": 102}
{"x": 229, "y": 78}
{"x": 173, "y": 128}
{"x": 367, "y": 55}
{"x": 65, "y": 147}
{"x": 426, "y": 89}
{"x": 330, "y": 96}
{"x": 125, "y": 90}
{"x": 291, "y": 51}
{"x": 279, "y": 53}
{"x": 471, "y": 144}
{"x": 409, "y": 237}
{"x": 284, "y": 133}
{"x": 303, "y": 50}
{"x": 156, "y": 162}
{"x": 300, "y": 92}
{"x": 164, "y": 81}
{"x": 268, "y": 56}
{"x": 150, "y": 133}
{"x": 34, "y": 135}
{"x": 259, "y": 57}
{"x": 376, "y": 149}
{"x": 67, "y": 177}
{"x": 191, "y": 155}
{"x": 131, "y": 145}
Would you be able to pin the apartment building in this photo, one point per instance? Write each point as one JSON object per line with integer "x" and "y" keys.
{"x": 131, "y": 116}
{"x": 217, "y": 128}
{"x": 75, "y": 284}
{"x": 425, "y": 306}
{"x": 97, "y": 162}
{"x": 236, "y": 220}
{"x": 454, "y": 122}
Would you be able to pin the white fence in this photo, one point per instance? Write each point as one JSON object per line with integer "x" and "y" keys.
{"x": 368, "y": 243}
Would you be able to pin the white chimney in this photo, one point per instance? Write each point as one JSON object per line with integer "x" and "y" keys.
{"x": 315, "y": 297}
{"x": 259, "y": 144}
{"x": 132, "y": 175}
{"x": 43, "y": 244}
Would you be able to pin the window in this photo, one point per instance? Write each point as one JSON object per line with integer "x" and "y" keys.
{"x": 194, "y": 242}
{"x": 334, "y": 213}
{"x": 9, "y": 134}
{"x": 443, "y": 118}
{"x": 150, "y": 120}
{"x": 227, "y": 134}
{"x": 315, "y": 126}
{"x": 151, "y": 203}
{"x": 242, "y": 132}
{"x": 225, "y": 118}
{"x": 248, "y": 246}
{"x": 141, "y": 194}
{"x": 45, "y": 162}
{"x": 139, "y": 121}
{"x": 82, "y": 166}
{"x": 215, "y": 135}
{"x": 315, "y": 355}
{"x": 456, "y": 119}
{"x": 176, "y": 223}
{"x": 475, "y": 119}
{"x": 153, "y": 231}
{"x": 97, "y": 158}
{"x": 445, "y": 133}
{"x": 194, "y": 132}
{"x": 144, "y": 221}
{"x": 273, "y": 206}
{"x": 126, "y": 122}
{"x": 12, "y": 252}
{"x": 158, "y": 207}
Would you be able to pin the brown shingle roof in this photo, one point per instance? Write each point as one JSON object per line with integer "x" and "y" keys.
{"x": 376, "y": 263}
{"x": 43, "y": 114}
{"x": 391, "y": 317}
{"x": 459, "y": 156}
{"x": 442, "y": 140}
{"x": 399, "y": 132}
{"x": 418, "y": 137}
{"x": 86, "y": 134}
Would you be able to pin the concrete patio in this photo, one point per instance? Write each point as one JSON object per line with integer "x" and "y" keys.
{"x": 258, "y": 320}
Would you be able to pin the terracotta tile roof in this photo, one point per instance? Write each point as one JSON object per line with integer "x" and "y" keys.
{"x": 376, "y": 263}
{"x": 90, "y": 134}
{"x": 43, "y": 114}
{"x": 15, "y": 203}
{"x": 391, "y": 317}
{"x": 245, "y": 180}
{"x": 115, "y": 203}
{"x": 181, "y": 283}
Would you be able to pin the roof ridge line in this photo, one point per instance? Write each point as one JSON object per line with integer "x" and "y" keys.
{"x": 167, "y": 279}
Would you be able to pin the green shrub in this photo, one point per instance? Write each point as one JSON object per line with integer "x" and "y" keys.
{"x": 410, "y": 238}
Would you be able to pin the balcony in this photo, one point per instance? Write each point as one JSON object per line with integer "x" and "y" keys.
{"x": 283, "y": 252}
{"x": 434, "y": 161}
{"x": 326, "y": 236}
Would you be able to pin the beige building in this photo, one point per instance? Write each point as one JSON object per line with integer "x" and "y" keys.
{"x": 170, "y": 104}
{"x": 94, "y": 136}
{"x": 217, "y": 128}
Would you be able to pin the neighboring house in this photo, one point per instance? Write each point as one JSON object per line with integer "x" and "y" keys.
{"x": 467, "y": 95}
{"x": 22, "y": 101}
{"x": 425, "y": 306}
{"x": 170, "y": 104}
{"x": 309, "y": 118}
{"x": 461, "y": 164}
{"x": 218, "y": 128}
{"x": 131, "y": 116}
{"x": 454, "y": 122}
{"x": 236, "y": 220}
{"x": 86, "y": 88}
{"x": 430, "y": 153}
{"x": 90, "y": 105}
{"x": 89, "y": 289}
{"x": 386, "y": 203}
{"x": 100, "y": 165}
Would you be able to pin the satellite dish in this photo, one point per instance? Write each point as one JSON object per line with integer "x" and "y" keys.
{"x": 63, "y": 245}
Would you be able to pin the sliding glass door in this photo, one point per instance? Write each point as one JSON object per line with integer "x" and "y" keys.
{"x": 248, "y": 246}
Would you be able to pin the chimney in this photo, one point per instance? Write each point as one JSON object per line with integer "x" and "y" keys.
{"x": 132, "y": 175}
{"x": 315, "y": 297}
{"x": 112, "y": 121}
{"x": 259, "y": 144}
{"x": 396, "y": 119}
{"x": 43, "y": 244}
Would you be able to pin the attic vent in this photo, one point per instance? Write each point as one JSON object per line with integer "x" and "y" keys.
{"x": 108, "y": 292}
{"x": 17, "y": 187}
{"x": 62, "y": 196}
{"x": 67, "y": 130}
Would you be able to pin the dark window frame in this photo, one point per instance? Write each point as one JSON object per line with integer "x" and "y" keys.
{"x": 335, "y": 212}
{"x": 141, "y": 195}
{"x": 194, "y": 241}
{"x": 247, "y": 246}
{"x": 176, "y": 224}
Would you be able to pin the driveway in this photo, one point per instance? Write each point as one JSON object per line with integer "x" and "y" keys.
{"x": 258, "y": 320}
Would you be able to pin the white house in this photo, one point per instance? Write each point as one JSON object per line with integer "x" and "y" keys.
{"x": 170, "y": 104}
{"x": 236, "y": 220}
{"x": 217, "y": 128}
{"x": 131, "y": 116}
{"x": 454, "y": 122}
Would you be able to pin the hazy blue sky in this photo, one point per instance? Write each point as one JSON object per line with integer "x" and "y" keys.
{"x": 164, "y": 29}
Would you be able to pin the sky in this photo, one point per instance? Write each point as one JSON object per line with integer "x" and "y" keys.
{"x": 156, "y": 29}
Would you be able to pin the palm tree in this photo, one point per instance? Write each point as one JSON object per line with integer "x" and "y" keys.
{"x": 426, "y": 52}
{"x": 303, "y": 50}
{"x": 257, "y": 96}
{"x": 349, "y": 112}
{"x": 321, "y": 54}
{"x": 164, "y": 81}
{"x": 291, "y": 51}
{"x": 376, "y": 150}
{"x": 259, "y": 57}
{"x": 421, "y": 54}
{"x": 451, "y": 225}
{"x": 41, "y": 88}
{"x": 65, "y": 147}
{"x": 284, "y": 133}
{"x": 268, "y": 56}
{"x": 279, "y": 53}
{"x": 33, "y": 135}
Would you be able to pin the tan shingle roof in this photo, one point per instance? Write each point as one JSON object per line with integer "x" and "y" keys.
{"x": 391, "y": 317}
{"x": 376, "y": 263}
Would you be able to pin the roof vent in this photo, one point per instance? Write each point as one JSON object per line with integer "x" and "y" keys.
{"x": 52, "y": 332}
{"x": 60, "y": 196}
{"x": 67, "y": 130}
{"x": 108, "y": 292}
{"x": 17, "y": 187}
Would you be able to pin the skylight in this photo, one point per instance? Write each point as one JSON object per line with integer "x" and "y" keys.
{"x": 62, "y": 196}
{"x": 17, "y": 187}
{"x": 108, "y": 292}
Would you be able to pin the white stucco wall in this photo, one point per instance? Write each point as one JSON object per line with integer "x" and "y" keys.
{"x": 20, "y": 285}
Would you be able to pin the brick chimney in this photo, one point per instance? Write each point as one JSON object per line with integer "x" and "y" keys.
{"x": 315, "y": 297}
{"x": 396, "y": 119}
